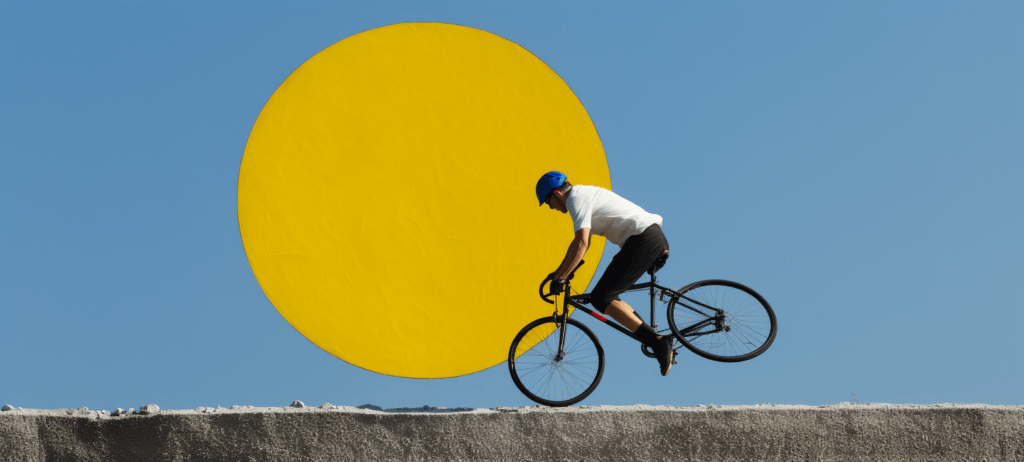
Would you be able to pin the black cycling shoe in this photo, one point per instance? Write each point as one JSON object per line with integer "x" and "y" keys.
{"x": 666, "y": 355}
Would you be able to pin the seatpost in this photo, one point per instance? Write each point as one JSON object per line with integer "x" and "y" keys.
{"x": 653, "y": 278}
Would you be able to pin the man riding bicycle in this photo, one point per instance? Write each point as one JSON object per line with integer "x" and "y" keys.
{"x": 595, "y": 210}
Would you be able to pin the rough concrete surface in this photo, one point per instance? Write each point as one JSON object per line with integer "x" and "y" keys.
{"x": 844, "y": 431}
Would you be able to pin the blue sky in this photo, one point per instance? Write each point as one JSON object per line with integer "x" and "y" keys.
{"x": 857, "y": 163}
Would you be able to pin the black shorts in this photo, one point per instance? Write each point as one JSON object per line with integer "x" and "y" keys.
{"x": 638, "y": 254}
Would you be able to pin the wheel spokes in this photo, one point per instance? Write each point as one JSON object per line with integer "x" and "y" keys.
{"x": 723, "y": 320}
{"x": 540, "y": 372}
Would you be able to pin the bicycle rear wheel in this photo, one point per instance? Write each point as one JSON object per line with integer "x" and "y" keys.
{"x": 550, "y": 380}
{"x": 722, "y": 320}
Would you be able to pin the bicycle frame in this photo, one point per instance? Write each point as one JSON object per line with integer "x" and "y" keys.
{"x": 656, "y": 292}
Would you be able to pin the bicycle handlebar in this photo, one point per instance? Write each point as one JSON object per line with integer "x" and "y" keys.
{"x": 548, "y": 278}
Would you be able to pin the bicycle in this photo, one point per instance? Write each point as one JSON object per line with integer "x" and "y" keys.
{"x": 716, "y": 319}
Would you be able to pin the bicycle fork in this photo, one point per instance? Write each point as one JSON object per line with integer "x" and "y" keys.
{"x": 561, "y": 320}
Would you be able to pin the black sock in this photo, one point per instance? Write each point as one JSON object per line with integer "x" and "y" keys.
{"x": 648, "y": 336}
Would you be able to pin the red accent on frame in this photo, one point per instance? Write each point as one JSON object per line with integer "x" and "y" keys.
{"x": 602, "y": 318}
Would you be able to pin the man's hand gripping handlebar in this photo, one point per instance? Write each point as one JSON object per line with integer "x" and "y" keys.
{"x": 552, "y": 290}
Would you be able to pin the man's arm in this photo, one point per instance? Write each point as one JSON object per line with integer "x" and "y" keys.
{"x": 577, "y": 248}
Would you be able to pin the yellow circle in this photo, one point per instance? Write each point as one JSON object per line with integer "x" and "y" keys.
{"x": 386, "y": 196}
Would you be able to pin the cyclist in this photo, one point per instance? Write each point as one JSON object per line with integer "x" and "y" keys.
{"x": 595, "y": 210}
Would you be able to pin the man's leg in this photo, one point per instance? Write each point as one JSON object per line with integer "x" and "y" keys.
{"x": 621, "y": 312}
{"x": 661, "y": 345}
{"x": 624, "y": 314}
{"x": 635, "y": 258}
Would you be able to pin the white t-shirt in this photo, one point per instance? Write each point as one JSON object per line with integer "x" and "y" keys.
{"x": 607, "y": 214}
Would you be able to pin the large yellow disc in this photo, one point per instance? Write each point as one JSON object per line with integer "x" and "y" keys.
{"x": 386, "y": 196}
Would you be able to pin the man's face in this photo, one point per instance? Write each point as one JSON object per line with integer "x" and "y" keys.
{"x": 557, "y": 202}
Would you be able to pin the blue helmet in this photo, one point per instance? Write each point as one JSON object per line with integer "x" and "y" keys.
{"x": 548, "y": 183}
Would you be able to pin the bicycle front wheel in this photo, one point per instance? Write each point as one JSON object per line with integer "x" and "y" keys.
{"x": 550, "y": 378}
{"x": 722, "y": 320}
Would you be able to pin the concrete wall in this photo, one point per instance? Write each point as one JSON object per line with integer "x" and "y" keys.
{"x": 762, "y": 432}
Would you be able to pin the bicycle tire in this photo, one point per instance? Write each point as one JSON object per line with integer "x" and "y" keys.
{"x": 547, "y": 381}
{"x": 744, "y": 330}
